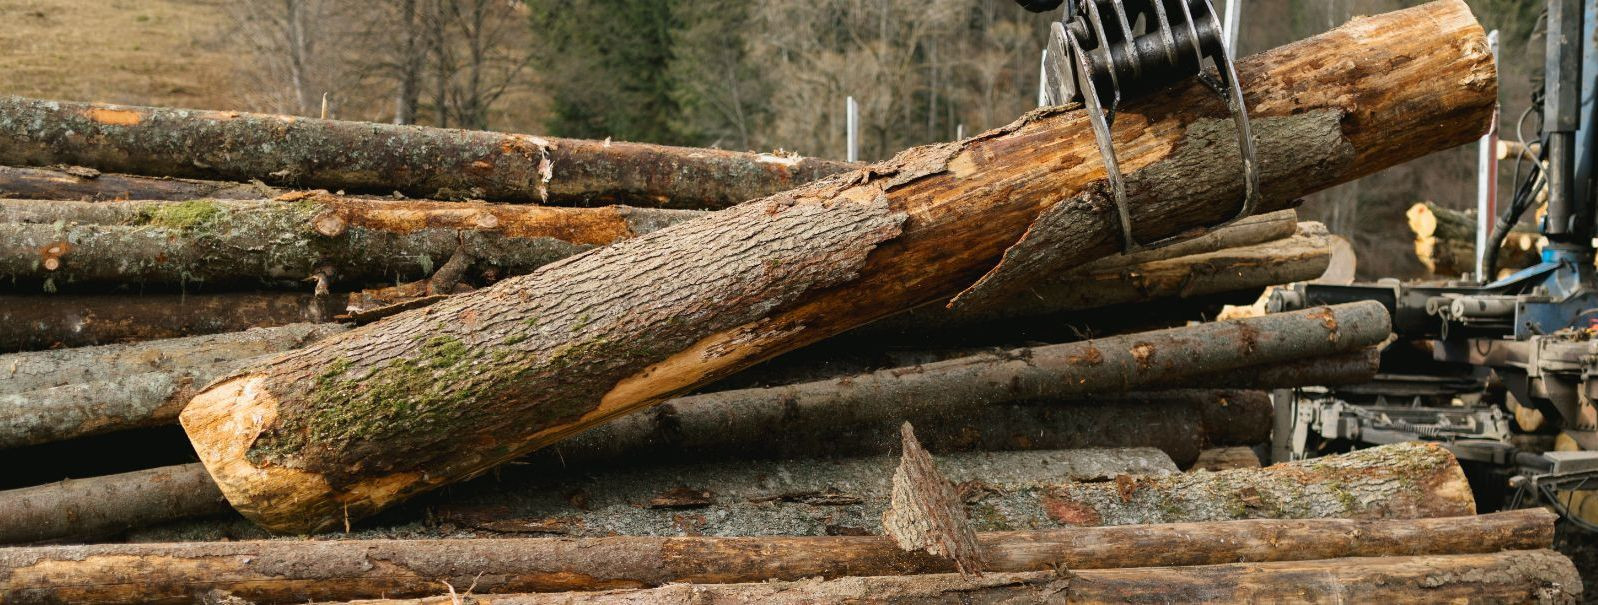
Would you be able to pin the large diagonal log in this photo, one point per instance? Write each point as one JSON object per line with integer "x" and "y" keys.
{"x": 296, "y": 238}
{"x": 297, "y": 571}
{"x": 355, "y": 423}
{"x": 382, "y": 158}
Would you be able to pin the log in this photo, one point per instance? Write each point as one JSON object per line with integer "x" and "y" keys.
{"x": 37, "y": 322}
{"x": 88, "y": 184}
{"x": 1535, "y": 576}
{"x": 435, "y": 395}
{"x": 421, "y": 162}
{"x": 104, "y": 506}
{"x": 1001, "y": 492}
{"x": 45, "y": 369}
{"x": 1302, "y": 257}
{"x": 295, "y": 238}
{"x": 1180, "y": 423}
{"x": 1225, "y": 459}
{"x": 695, "y": 428}
{"x": 297, "y": 571}
{"x": 1445, "y": 241}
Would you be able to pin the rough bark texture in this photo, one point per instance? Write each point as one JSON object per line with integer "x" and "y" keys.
{"x": 44, "y": 369}
{"x": 1301, "y": 257}
{"x": 31, "y": 323}
{"x": 1199, "y": 355}
{"x": 381, "y": 158}
{"x": 1002, "y": 491}
{"x": 294, "y": 238}
{"x": 103, "y": 506}
{"x": 1394, "y": 481}
{"x": 358, "y": 422}
{"x": 925, "y": 512}
{"x": 298, "y": 570}
{"x": 718, "y": 426}
{"x": 80, "y": 183}
{"x": 1532, "y": 577}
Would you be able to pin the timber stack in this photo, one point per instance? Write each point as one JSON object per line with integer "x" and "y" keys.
{"x": 491, "y": 367}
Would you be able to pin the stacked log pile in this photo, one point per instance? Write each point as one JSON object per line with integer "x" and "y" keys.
{"x": 684, "y": 375}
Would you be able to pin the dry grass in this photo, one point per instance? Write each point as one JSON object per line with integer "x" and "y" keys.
{"x": 147, "y": 52}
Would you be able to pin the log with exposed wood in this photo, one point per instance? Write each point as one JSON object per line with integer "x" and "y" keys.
{"x": 97, "y": 507}
{"x": 1529, "y": 577}
{"x": 295, "y": 238}
{"x": 1445, "y": 241}
{"x": 1180, "y": 423}
{"x": 1002, "y": 491}
{"x": 1301, "y": 257}
{"x": 88, "y": 184}
{"x": 435, "y": 395}
{"x": 37, "y": 322}
{"x": 281, "y": 571}
{"x": 418, "y": 161}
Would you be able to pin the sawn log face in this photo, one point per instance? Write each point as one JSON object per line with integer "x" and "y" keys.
{"x": 346, "y": 427}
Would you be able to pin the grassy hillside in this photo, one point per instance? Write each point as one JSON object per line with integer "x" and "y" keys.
{"x": 148, "y": 52}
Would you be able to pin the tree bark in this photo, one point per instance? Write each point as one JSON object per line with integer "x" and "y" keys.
{"x": 363, "y": 157}
{"x": 37, "y": 322}
{"x": 88, "y": 184}
{"x": 44, "y": 369}
{"x": 298, "y": 571}
{"x": 1112, "y": 281}
{"x": 1002, "y": 490}
{"x": 1532, "y": 577}
{"x": 103, "y": 506}
{"x": 295, "y": 238}
{"x": 435, "y": 395}
{"x": 711, "y": 427}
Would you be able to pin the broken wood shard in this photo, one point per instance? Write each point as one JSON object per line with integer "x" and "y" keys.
{"x": 281, "y": 571}
{"x": 925, "y": 513}
{"x": 418, "y": 161}
{"x": 362, "y": 421}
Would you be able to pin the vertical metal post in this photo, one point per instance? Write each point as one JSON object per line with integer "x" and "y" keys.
{"x": 1569, "y": 219}
{"x": 1233, "y": 16}
{"x": 1486, "y": 182}
{"x": 852, "y": 128}
{"x": 959, "y": 132}
{"x": 1043, "y": 77}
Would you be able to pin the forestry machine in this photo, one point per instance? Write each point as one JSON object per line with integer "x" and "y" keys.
{"x": 1502, "y": 372}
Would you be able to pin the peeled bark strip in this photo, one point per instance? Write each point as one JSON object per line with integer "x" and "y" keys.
{"x": 428, "y": 397}
{"x": 103, "y": 506}
{"x": 1403, "y": 480}
{"x": 713, "y": 426}
{"x": 381, "y": 158}
{"x": 21, "y": 372}
{"x": 298, "y": 571}
{"x": 295, "y": 238}
{"x": 925, "y": 513}
{"x": 1302, "y": 257}
{"x": 79, "y": 183}
{"x": 32, "y": 323}
{"x": 1533, "y": 577}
